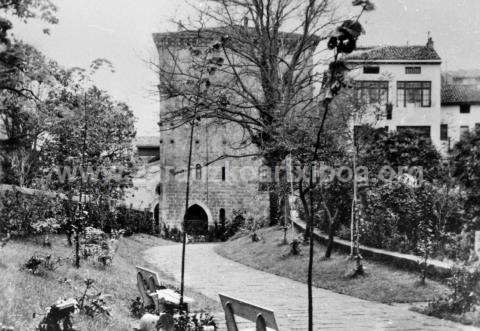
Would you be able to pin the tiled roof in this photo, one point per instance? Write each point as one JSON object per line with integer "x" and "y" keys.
{"x": 395, "y": 53}
{"x": 458, "y": 94}
{"x": 147, "y": 141}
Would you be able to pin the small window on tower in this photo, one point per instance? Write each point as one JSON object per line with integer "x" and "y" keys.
{"x": 198, "y": 172}
{"x": 221, "y": 216}
{"x": 172, "y": 141}
{"x": 197, "y": 142}
{"x": 223, "y": 174}
{"x": 371, "y": 70}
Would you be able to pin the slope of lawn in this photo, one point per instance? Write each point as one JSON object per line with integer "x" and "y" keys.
{"x": 22, "y": 294}
{"x": 381, "y": 283}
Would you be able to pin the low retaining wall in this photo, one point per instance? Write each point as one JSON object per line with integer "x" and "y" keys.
{"x": 435, "y": 269}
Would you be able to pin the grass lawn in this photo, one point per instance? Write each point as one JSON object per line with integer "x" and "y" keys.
{"x": 381, "y": 283}
{"x": 22, "y": 294}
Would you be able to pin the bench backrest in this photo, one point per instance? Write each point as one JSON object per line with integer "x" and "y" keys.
{"x": 264, "y": 318}
{"x": 147, "y": 282}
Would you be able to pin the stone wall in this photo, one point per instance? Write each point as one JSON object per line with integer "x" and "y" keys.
{"x": 237, "y": 189}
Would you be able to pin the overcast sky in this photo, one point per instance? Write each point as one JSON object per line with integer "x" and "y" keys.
{"x": 120, "y": 30}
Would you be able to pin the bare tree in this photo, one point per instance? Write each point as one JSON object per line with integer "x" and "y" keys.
{"x": 266, "y": 74}
{"x": 263, "y": 79}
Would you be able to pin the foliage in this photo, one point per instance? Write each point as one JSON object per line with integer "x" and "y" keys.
{"x": 401, "y": 149}
{"x": 47, "y": 226}
{"x": 100, "y": 246}
{"x": 93, "y": 304}
{"x": 295, "y": 247}
{"x": 402, "y": 218}
{"x": 133, "y": 221}
{"x": 41, "y": 265}
{"x": 184, "y": 321}
{"x": 23, "y": 215}
{"x": 466, "y": 169}
{"x": 465, "y": 294}
{"x": 243, "y": 222}
{"x": 172, "y": 233}
{"x": 137, "y": 309}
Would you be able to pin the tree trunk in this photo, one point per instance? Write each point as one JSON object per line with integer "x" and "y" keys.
{"x": 331, "y": 234}
{"x": 306, "y": 211}
{"x": 354, "y": 200}
{"x": 77, "y": 247}
{"x": 273, "y": 195}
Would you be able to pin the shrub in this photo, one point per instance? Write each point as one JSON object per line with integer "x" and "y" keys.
{"x": 464, "y": 297}
{"x": 171, "y": 233}
{"x": 137, "y": 309}
{"x": 93, "y": 304}
{"x": 19, "y": 211}
{"x": 295, "y": 247}
{"x": 99, "y": 246}
{"x": 134, "y": 221}
{"x": 233, "y": 226}
{"x": 184, "y": 321}
{"x": 40, "y": 265}
{"x": 45, "y": 228}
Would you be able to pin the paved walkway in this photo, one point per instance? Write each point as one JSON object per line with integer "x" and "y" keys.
{"x": 210, "y": 274}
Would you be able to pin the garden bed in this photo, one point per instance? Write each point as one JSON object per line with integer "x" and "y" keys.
{"x": 23, "y": 294}
{"x": 382, "y": 283}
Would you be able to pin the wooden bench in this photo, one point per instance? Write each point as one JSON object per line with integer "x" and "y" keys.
{"x": 263, "y": 318}
{"x": 153, "y": 294}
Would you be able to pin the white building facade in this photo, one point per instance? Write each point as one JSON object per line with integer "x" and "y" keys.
{"x": 404, "y": 89}
{"x": 403, "y": 85}
{"x": 460, "y": 112}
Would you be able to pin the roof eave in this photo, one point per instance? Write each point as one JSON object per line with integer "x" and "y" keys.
{"x": 357, "y": 61}
{"x": 458, "y": 103}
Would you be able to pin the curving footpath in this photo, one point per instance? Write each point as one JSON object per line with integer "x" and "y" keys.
{"x": 210, "y": 274}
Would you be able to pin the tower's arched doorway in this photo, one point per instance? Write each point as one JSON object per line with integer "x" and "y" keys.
{"x": 196, "y": 220}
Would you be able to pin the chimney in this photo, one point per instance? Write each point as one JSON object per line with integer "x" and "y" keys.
{"x": 430, "y": 43}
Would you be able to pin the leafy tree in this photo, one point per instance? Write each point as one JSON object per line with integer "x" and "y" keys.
{"x": 466, "y": 170}
{"x": 24, "y": 115}
{"x": 88, "y": 152}
{"x": 399, "y": 149}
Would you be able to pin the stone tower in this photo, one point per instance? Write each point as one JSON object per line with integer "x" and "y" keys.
{"x": 217, "y": 187}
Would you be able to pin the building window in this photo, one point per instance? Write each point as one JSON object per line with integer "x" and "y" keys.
{"x": 370, "y": 92}
{"x": 371, "y": 70}
{"x": 389, "y": 110}
{"x": 464, "y": 131}
{"x": 421, "y": 131}
{"x": 464, "y": 109}
{"x": 413, "y": 70}
{"x": 172, "y": 141}
{"x": 414, "y": 93}
{"x": 385, "y": 128}
{"x": 443, "y": 131}
{"x": 197, "y": 142}
{"x": 477, "y": 126}
{"x": 223, "y": 174}
{"x": 221, "y": 216}
{"x": 198, "y": 172}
